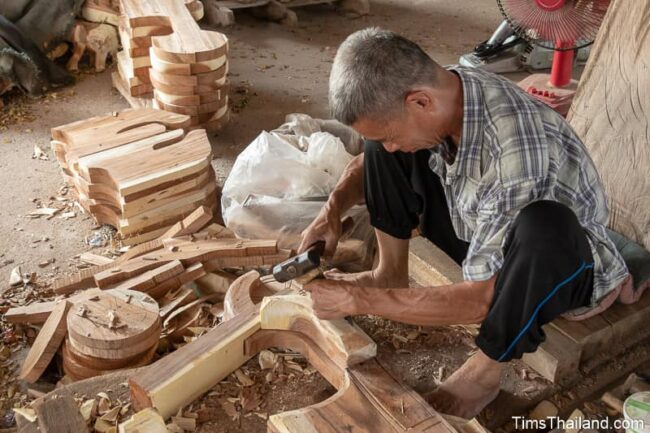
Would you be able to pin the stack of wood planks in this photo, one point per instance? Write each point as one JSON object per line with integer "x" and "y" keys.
{"x": 169, "y": 58}
{"x": 137, "y": 170}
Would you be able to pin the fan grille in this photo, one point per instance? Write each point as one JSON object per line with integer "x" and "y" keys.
{"x": 575, "y": 24}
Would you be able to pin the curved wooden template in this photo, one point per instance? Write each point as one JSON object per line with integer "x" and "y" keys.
{"x": 200, "y": 89}
{"x": 220, "y": 117}
{"x": 46, "y": 343}
{"x": 79, "y": 370}
{"x": 165, "y": 67}
{"x": 195, "y": 303}
{"x": 188, "y": 100}
{"x": 170, "y": 47}
{"x": 97, "y": 168}
{"x": 212, "y": 78}
{"x": 109, "y": 131}
{"x": 143, "y": 322}
{"x": 122, "y": 353}
{"x": 345, "y": 343}
{"x": 193, "y": 110}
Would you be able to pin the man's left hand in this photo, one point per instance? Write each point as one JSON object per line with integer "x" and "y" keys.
{"x": 332, "y": 299}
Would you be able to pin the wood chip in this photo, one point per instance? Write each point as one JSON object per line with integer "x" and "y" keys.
{"x": 88, "y": 409}
{"x": 267, "y": 359}
{"x": 16, "y": 277}
{"x": 243, "y": 378}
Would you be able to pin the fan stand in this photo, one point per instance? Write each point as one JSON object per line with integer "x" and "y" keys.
{"x": 557, "y": 88}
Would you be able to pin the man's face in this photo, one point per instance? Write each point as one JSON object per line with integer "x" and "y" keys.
{"x": 418, "y": 126}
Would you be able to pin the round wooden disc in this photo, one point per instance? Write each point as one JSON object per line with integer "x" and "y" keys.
{"x": 46, "y": 344}
{"x": 78, "y": 370}
{"x": 101, "y": 363}
{"x": 116, "y": 354}
{"x": 136, "y": 320}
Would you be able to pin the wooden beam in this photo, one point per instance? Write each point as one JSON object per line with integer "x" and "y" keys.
{"x": 430, "y": 266}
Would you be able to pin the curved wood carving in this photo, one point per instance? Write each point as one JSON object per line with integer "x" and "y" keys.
{"x": 244, "y": 293}
{"x": 369, "y": 399}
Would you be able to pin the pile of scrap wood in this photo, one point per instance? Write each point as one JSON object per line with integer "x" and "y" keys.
{"x": 169, "y": 58}
{"x": 155, "y": 292}
{"x": 137, "y": 170}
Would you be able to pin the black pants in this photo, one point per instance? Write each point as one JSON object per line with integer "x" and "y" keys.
{"x": 548, "y": 266}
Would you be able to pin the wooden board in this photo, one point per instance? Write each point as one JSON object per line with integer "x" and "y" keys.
{"x": 430, "y": 266}
{"x": 557, "y": 358}
{"x": 46, "y": 344}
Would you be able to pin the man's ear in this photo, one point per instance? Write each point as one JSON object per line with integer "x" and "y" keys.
{"x": 419, "y": 100}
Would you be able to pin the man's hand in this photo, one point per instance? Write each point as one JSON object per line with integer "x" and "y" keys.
{"x": 326, "y": 227}
{"x": 332, "y": 299}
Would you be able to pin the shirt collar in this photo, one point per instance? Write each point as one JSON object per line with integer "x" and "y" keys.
{"x": 468, "y": 158}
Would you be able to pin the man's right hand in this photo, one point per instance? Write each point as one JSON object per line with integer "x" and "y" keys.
{"x": 326, "y": 227}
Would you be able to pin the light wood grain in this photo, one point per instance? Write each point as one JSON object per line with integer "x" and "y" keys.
{"x": 46, "y": 344}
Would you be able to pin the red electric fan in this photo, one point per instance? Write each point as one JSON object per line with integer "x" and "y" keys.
{"x": 560, "y": 25}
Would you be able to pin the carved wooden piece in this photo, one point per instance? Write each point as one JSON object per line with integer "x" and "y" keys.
{"x": 46, "y": 344}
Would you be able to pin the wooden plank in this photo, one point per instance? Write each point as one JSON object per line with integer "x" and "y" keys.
{"x": 38, "y": 312}
{"x": 593, "y": 335}
{"x": 629, "y": 322}
{"x": 557, "y": 359}
{"x": 46, "y": 344}
{"x": 430, "y": 266}
{"x": 150, "y": 279}
{"x": 182, "y": 376}
{"x": 94, "y": 259}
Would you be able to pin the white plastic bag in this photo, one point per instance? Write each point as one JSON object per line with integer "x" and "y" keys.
{"x": 275, "y": 190}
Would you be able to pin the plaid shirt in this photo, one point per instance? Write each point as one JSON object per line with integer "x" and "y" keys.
{"x": 515, "y": 150}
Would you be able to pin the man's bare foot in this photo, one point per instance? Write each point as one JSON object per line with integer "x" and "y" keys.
{"x": 469, "y": 389}
{"x": 374, "y": 278}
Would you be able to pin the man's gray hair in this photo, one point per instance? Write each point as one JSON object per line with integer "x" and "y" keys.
{"x": 373, "y": 71}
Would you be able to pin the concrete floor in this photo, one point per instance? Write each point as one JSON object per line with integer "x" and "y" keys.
{"x": 285, "y": 69}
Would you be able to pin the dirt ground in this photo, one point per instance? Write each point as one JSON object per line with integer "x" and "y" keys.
{"x": 275, "y": 70}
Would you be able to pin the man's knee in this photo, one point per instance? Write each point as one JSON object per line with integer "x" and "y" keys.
{"x": 546, "y": 221}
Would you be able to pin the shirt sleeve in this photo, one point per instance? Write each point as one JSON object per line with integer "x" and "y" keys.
{"x": 497, "y": 211}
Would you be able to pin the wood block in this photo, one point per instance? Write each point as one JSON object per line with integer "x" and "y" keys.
{"x": 46, "y": 344}
{"x": 593, "y": 335}
{"x": 212, "y": 78}
{"x": 557, "y": 358}
{"x": 59, "y": 414}
{"x": 430, "y": 266}
{"x": 187, "y": 100}
{"x": 629, "y": 322}
{"x": 38, "y": 312}
{"x": 94, "y": 259}
{"x": 100, "y": 11}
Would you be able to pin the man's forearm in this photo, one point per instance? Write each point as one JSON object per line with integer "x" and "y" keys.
{"x": 455, "y": 304}
{"x": 349, "y": 189}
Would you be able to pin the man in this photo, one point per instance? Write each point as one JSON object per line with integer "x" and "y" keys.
{"x": 497, "y": 180}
